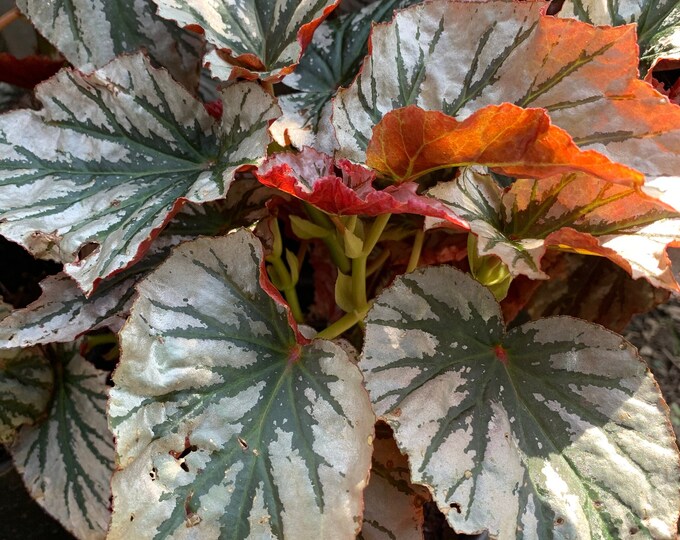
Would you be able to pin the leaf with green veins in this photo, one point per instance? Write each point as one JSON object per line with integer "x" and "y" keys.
{"x": 332, "y": 60}
{"x": 112, "y": 157}
{"x": 224, "y": 421}
{"x": 553, "y": 429}
{"x": 25, "y": 388}
{"x": 244, "y": 204}
{"x": 26, "y": 382}
{"x": 574, "y": 212}
{"x": 67, "y": 460}
{"x": 252, "y": 38}
{"x": 63, "y": 313}
{"x": 508, "y": 52}
{"x": 91, "y": 33}
{"x": 656, "y": 21}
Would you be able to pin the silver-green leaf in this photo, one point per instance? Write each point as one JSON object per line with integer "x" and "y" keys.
{"x": 67, "y": 460}
{"x": 332, "y": 60}
{"x": 112, "y": 156}
{"x": 227, "y": 426}
{"x": 657, "y": 21}
{"x": 91, "y": 33}
{"x": 585, "y": 77}
{"x": 555, "y": 429}
{"x": 263, "y": 38}
{"x": 26, "y": 383}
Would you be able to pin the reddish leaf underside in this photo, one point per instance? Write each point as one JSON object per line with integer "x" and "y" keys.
{"x": 29, "y": 71}
{"x": 310, "y": 176}
{"x": 410, "y": 142}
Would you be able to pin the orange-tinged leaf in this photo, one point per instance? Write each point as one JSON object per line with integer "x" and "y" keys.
{"x": 574, "y": 212}
{"x": 410, "y": 142}
{"x": 459, "y": 57}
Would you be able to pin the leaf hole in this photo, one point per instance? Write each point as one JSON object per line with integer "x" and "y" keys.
{"x": 456, "y": 507}
{"x": 153, "y": 474}
{"x": 243, "y": 443}
{"x": 634, "y": 530}
{"x": 598, "y": 504}
{"x": 559, "y": 521}
{"x": 184, "y": 466}
{"x": 132, "y": 517}
{"x": 87, "y": 249}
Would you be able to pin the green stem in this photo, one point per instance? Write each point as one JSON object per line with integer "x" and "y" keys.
{"x": 359, "y": 281}
{"x": 359, "y": 264}
{"x": 287, "y": 287}
{"x": 294, "y": 304}
{"x": 344, "y": 323}
{"x": 379, "y": 261}
{"x": 335, "y": 249}
{"x": 374, "y": 234}
{"x": 416, "y": 251}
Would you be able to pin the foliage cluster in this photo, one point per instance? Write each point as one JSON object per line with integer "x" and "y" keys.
{"x": 294, "y": 223}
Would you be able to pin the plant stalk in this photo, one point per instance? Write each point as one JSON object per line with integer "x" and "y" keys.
{"x": 416, "y": 251}
{"x": 9, "y": 17}
{"x": 344, "y": 323}
{"x": 335, "y": 249}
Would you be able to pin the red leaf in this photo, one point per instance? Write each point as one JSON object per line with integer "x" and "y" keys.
{"x": 410, "y": 142}
{"x": 311, "y": 177}
{"x": 29, "y": 71}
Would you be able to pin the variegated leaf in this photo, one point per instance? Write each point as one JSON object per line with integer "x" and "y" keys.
{"x": 573, "y": 212}
{"x": 253, "y": 38}
{"x": 226, "y": 426}
{"x": 67, "y": 460}
{"x": 393, "y": 506}
{"x": 585, "y": 77}
{"x": 657, "y": 21}
{"x": 332, "y": 60}
{"x": 555, "y": 429}
{"x": 62, "y": 313}
{"x": 112, "y": 156}
{"x": 91, "y": 33}
{"x": 244, "y": 204}
{"x": 26, "y": 382}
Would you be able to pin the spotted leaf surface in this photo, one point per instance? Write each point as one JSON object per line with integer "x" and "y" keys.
{"x": 91, "y": 33}
{"x": 393, "y": 506}
{"x": 573, "y": 212}
{"x": 332, "y": 60}
{"x": 585, "y": 77}
{"x": 112, "y": 156}
{"x": 657, "y": 21}
{"x": 553, "y": 429}
{"x": 67, "y": 460}
{"x": 226, "y": 425}
{"x": 253, "y": 38}
{"x": 410, "y": 142}
{"x": 26, "y": 382}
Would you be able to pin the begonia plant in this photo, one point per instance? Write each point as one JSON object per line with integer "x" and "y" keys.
{"x": 296, "y": 221}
